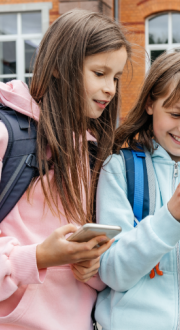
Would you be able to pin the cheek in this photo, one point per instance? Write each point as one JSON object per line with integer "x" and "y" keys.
{"x": 160, "y": 125}
{"x": 90, "y": 84}
{"x": 157, "y": 127}
{"x": 89, "y": 89}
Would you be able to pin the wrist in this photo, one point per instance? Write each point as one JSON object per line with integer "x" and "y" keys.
{"x": 40, "y": 257}
{"x": 172, "y": 210}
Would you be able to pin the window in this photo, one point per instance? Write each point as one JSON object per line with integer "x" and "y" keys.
{"x": 21, "y": 31}
{"x": 20, "y": 35}
{"x": 162, "y": 34}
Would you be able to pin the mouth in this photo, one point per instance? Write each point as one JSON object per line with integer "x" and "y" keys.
{"x": 175, "y": 138}
{"x": 101, "y": 104}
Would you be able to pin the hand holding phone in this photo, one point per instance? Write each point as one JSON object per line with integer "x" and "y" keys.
{"x": 56, "y": 250}
{"x": 91, "y": 230}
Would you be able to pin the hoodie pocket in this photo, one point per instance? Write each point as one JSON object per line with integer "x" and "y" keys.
{"x": 151, "y": 304}
{"x": 60, "y": 302}
{"x": 26, "y": 305}
{"x": 22, "y": 306}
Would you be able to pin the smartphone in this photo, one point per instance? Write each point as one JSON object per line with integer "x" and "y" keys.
{"x": 91, "y": 230}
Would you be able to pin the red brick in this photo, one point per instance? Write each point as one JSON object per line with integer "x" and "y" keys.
{"x": 133, "y": 14}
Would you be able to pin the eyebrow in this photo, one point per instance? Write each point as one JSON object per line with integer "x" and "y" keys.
{"x": 175, "y": 107}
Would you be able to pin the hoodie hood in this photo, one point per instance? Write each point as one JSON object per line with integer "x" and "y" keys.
{"x": 15, "y": 95}
{"x": 161, "y": 155}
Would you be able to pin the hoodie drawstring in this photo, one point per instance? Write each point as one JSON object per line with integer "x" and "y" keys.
{"x": 158, "y": 271}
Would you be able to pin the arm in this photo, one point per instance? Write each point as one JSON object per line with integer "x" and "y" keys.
{"x": 18, "y": 263}
{"x": 22, "y": 265}
{"x": 18, "y": 266}
{"x": 96, "y": 283}
{"x": 136, "y": 250}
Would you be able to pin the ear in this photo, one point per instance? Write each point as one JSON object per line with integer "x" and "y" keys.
{"x": 149, "y": 106}
{"x": 56, "y": 73}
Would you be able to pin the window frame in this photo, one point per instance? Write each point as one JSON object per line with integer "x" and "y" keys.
{"x": 170, "y": 46}
{"x": 20, "y": 38}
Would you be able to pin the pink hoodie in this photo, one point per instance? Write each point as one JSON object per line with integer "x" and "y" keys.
{"x": 30, "y": 299}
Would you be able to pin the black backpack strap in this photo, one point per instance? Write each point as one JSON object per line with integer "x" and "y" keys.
{"x": 137, "y": 182}
{"x": 93, "y": 319}
{"x": 19, "y": 163}
{"x": 92, "y": 148}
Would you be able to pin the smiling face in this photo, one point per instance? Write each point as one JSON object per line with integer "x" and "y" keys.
{"x": 166, "y": 125}
{"x": 101, "y": 73}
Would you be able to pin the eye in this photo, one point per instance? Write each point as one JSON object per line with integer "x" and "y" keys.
{"x": 175, "y": 115}
{"x": 116, "y": 79}
{"x": 98, "y": 74}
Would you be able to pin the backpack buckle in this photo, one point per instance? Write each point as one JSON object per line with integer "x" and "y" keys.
{"x": 140, "y": 154}
{"x": 31, "y": 161}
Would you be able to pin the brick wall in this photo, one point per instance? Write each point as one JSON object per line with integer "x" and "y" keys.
{"x": 132, "y": 15}
{"x": 104, "y": 6}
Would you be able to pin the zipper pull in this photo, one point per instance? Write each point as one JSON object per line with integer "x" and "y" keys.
{"x": 175, "y": 170}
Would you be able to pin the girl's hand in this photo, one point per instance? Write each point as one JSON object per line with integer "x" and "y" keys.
{"x": 56, "y": 250}
{"x": 174, "y": 204}
{"x": 83, "y": 271}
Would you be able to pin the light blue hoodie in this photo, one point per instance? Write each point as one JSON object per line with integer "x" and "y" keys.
{"x": 133, "y": 301}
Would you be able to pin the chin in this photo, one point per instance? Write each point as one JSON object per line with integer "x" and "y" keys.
{"x": 95, "y": 115}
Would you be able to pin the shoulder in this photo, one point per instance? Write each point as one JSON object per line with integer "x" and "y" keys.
{"x": 115, "y": 165}
{"x": 3, "y": 139}
{"x": 113, "y": 172}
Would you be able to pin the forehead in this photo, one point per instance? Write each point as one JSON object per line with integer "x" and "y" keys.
{"x": 113, "y": 60}
{"x": 172, "y": 98}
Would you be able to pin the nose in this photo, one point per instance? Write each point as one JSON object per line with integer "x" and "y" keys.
{"x": 109, "y": 87}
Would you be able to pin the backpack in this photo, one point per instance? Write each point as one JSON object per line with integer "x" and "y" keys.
{"x": 141, "y": 191}
{"x": 140, "y": 182}
{"x": 20, "y": 163}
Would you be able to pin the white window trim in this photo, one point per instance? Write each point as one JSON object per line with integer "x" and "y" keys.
{"x": 44, "y": 8}
{"x": 170, "y": 46}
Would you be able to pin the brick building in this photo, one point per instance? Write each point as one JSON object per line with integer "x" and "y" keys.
{"x": 22, "y": 25}
{"x": 152, "y": 24}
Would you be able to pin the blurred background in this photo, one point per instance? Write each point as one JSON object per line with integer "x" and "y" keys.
{"x": 152, "y": 25}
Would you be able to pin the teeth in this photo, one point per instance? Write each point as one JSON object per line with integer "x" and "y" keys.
{"x": 101, "y": 102}
{"x": 176, "y": 138}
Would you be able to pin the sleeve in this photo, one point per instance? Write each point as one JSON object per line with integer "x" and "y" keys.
{"x": 136, "y": 250}
{"x": 96, "y": 283}
{"x": 17, "y": 263}
{"x": 18, "y": 266}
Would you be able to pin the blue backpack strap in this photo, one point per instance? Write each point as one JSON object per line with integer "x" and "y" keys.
{"x": 137, "y": 183}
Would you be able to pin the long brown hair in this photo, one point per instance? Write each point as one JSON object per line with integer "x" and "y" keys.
{"x": 57, "y": 86}
{"x": 137, "y": 126}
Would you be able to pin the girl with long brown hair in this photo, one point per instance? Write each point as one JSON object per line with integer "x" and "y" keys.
{"x": 47, "y": 282}
{"x": 139, "y": 298}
